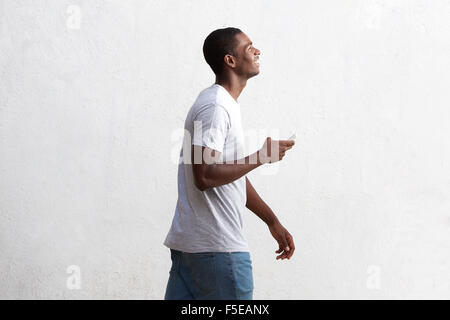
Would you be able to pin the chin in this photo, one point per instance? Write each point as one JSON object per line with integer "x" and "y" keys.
{"x": 254, "y": 73}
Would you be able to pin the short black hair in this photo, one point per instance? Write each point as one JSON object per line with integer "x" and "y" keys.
{"x": 217, "y": 44}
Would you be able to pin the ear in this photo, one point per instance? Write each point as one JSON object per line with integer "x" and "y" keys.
{"x": 230, "y": 60}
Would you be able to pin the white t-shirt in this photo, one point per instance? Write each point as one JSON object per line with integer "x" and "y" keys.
{"x": 210, "y": 221}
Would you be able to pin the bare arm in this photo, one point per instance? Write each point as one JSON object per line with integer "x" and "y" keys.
{"x": 217, "y": 174}
{"x": 258, "y": 206}
{"x": 285, "y": 240}
{"x": 209, "y": 173}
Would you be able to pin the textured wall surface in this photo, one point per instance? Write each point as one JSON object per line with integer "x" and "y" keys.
{"x": 92, "y": 98}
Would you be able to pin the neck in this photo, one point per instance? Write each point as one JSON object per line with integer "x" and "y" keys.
{"x": 232, "y": 83}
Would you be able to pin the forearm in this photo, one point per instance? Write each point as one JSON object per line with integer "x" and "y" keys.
{"x": 258, "y": 206}
{"x": 218, "y": 174}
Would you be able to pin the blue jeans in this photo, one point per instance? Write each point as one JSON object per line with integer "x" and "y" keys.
{"x": 210, "y": 275}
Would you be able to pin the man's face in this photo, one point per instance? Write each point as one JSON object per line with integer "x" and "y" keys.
{"x": 246, "y": 57}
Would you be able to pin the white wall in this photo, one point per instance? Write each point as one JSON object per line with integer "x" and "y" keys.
{"x": 93, "y": 92}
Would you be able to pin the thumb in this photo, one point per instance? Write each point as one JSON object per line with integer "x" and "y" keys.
{"x": 284, "y": 243}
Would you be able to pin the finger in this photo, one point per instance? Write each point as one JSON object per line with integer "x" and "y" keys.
{"x": 280, "y": 248}
{"x": 284, "y": 243}
{"x": 291, "y": 252}
{"x": 287, "y": 143}
{"x": 290, "y": 240}
{"x": 286, "y": 253}
{"x": 282, "y": 256}
{"x": 279, "y": 251}
{"x": 286, "y": 248}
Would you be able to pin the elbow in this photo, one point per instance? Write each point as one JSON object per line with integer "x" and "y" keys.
{"x": 201, "y": 181}
{"x": 201, "y": 184}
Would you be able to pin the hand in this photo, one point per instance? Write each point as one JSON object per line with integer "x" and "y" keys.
{"x": 274, "y": 150}
{"x": 285, "y": 241}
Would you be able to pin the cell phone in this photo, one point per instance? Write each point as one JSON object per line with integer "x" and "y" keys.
{"x": 292, "y": 137}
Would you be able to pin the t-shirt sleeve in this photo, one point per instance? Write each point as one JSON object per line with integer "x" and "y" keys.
{"x": 211, "y": 125}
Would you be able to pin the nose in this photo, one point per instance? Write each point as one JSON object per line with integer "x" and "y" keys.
{"x": 257, "y": 52}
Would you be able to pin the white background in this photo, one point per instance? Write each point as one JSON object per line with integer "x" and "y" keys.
{"x": 93, "y": 93}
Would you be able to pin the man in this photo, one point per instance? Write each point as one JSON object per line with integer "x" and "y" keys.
{"x": 210, "y": 255}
